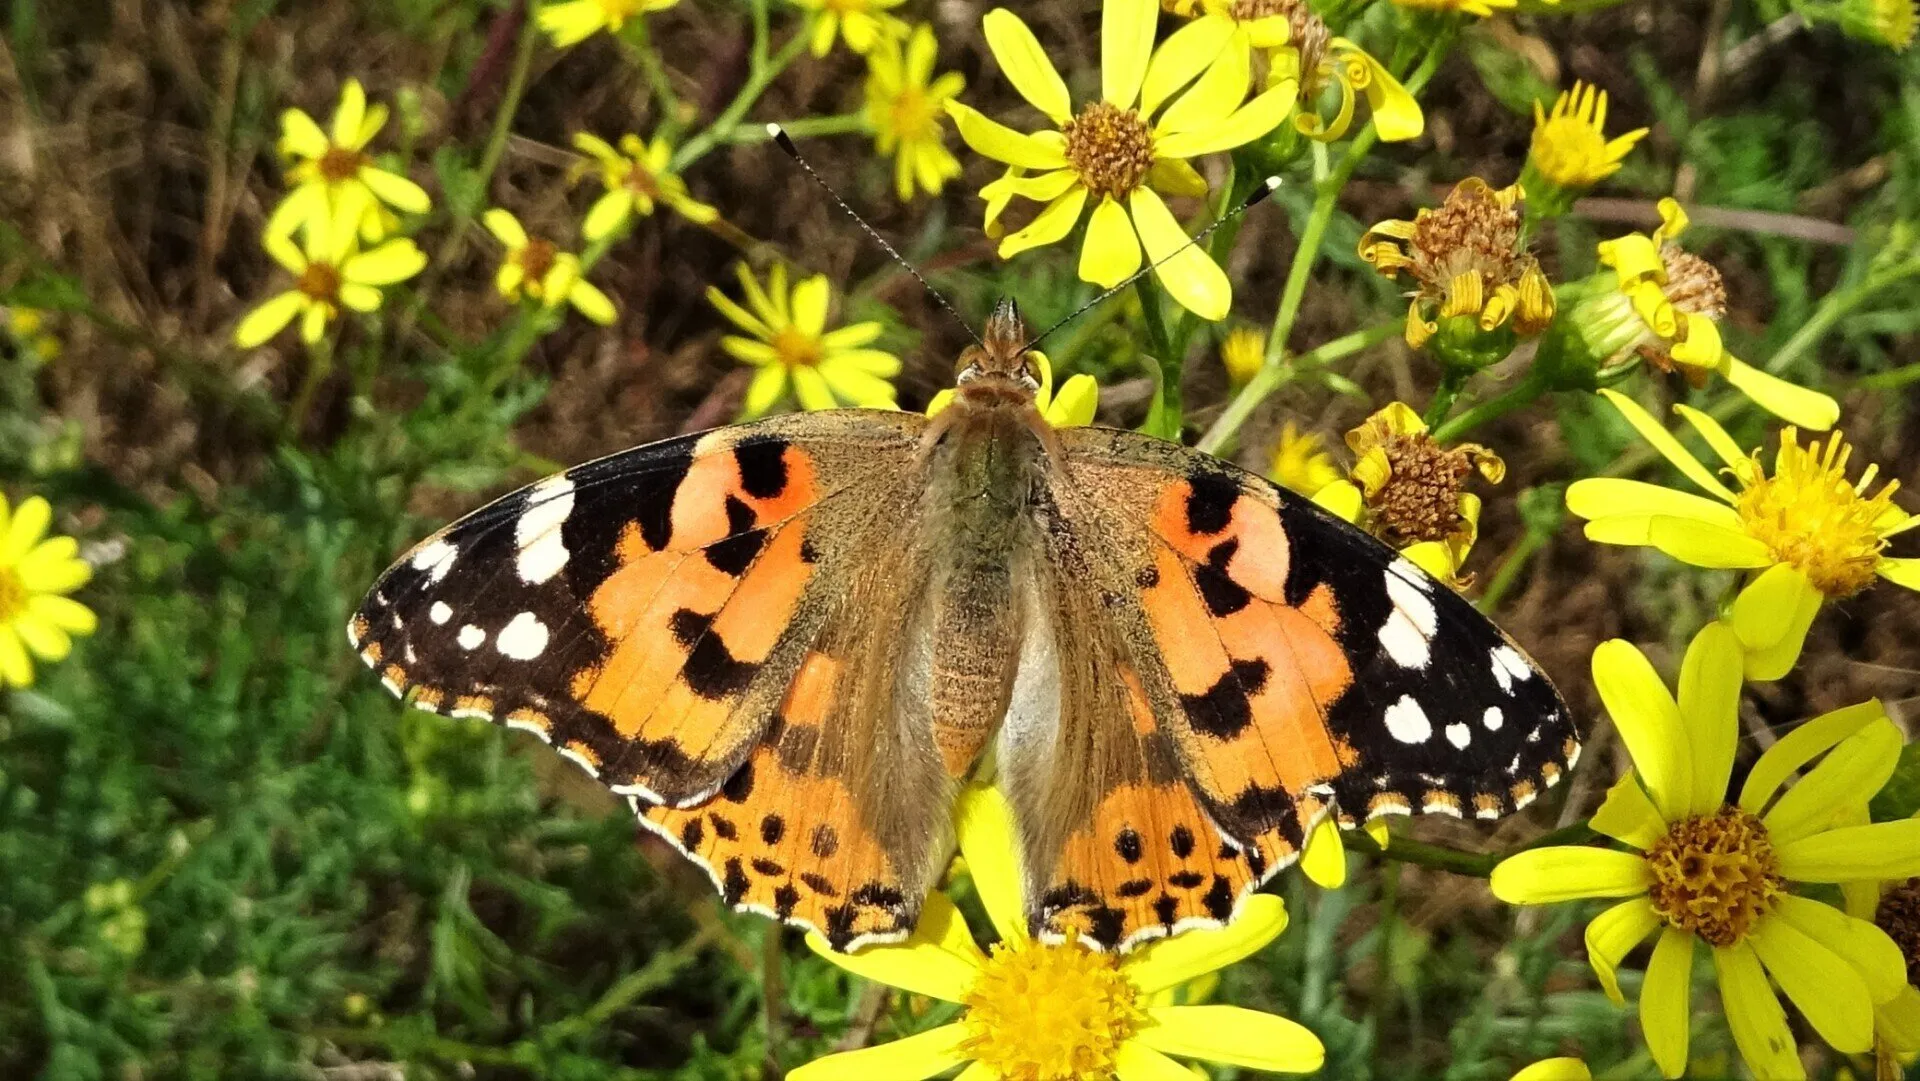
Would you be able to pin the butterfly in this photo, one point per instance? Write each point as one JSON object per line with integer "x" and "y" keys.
{"x": 789, "y": 644}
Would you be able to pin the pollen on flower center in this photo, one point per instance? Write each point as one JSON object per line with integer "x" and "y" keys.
{"x": 537, "y": 258}
{"x": 320, "y": 281}
{"x": 1715, "y": 875}
{"x": 1470, "y": 232}
{"x": 1810, "y": 516}
{"x": 339, "y": 163}
{"x": 1899, "y": 916}
{"x": 1111, "y": 148}
{"x": 1050, "y": 1013}
{"x": 796, "y": 348}
{"x": 912, "y": 114}
{"x": 13, "y": 594}
{"x": 1421, "y": 498}
{"x": 1694, "y": 286}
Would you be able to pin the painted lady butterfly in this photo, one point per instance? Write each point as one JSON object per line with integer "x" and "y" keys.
{"x": 788, "y": 644}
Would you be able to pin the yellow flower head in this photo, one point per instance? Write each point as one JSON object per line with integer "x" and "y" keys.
{"x": 1667, "y": 311}
{"x": 1570, "y": 145}
{"x": 1468, "y": 257}
{"x": 862, "y": 23}
{"x": 1121, "y": 150}
{"x": 533, "y": 267}
{"x": 1714, "y": 868}
{"x": 1301, "y": 462}
{"x": 1242, "y": 352}
{"x": 1884, "y": 22}
{"x": 1808, "y": 531}
{"x": 574, "y": 21}
{"x": 904, "y": 105}
{"x": 36, "y": 571}
{"x": 329, "y": 273}
{"x": 1303, "y": 54}
{"x": 335, "y": 180}
{"x": 636, "y": 177}
{"x": 1040, "y": 1012}
{"x": 1411, "y": 492}
{"x": 790, "y": 344}
{"x": 26, "y": 328}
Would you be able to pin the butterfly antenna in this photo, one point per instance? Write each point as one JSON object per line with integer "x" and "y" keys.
{"x": 1267, "y": 187}
{"x": 786, "y": 143}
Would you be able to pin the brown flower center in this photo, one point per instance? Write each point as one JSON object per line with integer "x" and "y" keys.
{"x": 1693, "y": 284}
{"x": 340, "y": 163}
{"x": 1469, "y": 233}
{"x": 1421, "y": 498}
{"x": 641, "y": 182}
{"x": 796, "y": 348}
{"x": 1899, "y": 916}
{"x": 13, "y": 594}
{"x": 321, "y": 281}
{"x": 1306, "y": 32}
{"x": 1715, "y": 875}
{"x": 536, "y": 259}
{"x": 1111, "y": 148}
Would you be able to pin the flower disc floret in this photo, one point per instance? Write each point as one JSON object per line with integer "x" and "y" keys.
{"x": 1467, "y": 257}
{"x": 1898, "y": 914}
{"x": 1049, "y": 1013}
{"x": 1715, "y": 875}
{"x": 1111, "y": 148}
{"x": 1810, "y": 516}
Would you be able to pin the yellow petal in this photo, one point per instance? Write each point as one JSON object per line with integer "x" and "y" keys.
{"x": 1555, "y": 1069}
{"x": 349, "y": 113}
{"x": 1050, "y": 225}
{"x": 1704, "y": 545}
{"x": 1342, "y": 499}
{"x": 1880, "y": 850}
{"x": 1184, "y": 269}
{"x": 1324, "y": 861}
{"x": 1233, "y": 1036}
{"x": 1184, "y": 55}
{"x": 875, "y": 362}
{"x": 810, "y": 300}
{"x": 1628, "y": 815}
{"x": 1172, "y": 176}
{"x": 1649, "y": 723}
{"x": 1615, "y": 933}
{"x": 926, "y": 1055}
{"x": 1667, "y": 445}
{"x": 1800, "y": 746}
{"x": 1854, "y": 770}
{"x": 592, "y": 303}
{"x": 1709, "y": 699}
{"x": 1899, "y": 1021}
{"x": 1664, "y": 1009}
{"x": 1758, "y": 1023}
{"x": 29, "y": 524}
{"x": 394, "y": 261}
{"x": 42, "y": 638}
{"x": 1135, "y": 1061}
{"x": 1002, "y": 143}
{"x": 63, "y": 612}
{"x": 1771, "y": 617}
{"x": 396, "y": 191}
{"x": 607, "y": 214}
{"x": 1075, "y": 404}
{"x": 1716, "y": 436}
{"x": 1110, "y": 252}
{"x": 1826, "y": 989}
{"x": 1596, "y": 498}
{"x": 16, "y": 667}
{"x": 1634, "y": 258}
{"x": 1213, "y": 97}
{"x": 769, "y": 383}
{"x": 991, "y": 846}
{"x": 1256, "y": 118}
{"x": 505, "y": 227}
{"x": 811, "y": 390}
{"x": 1025, "y": 64}
{"x": 1874, "y": 956}
{"x": 269, "y": 319}
{"x": 1167, "y": 962}
{"x": 1541, "y": 876}
{"x": 1790, "y": 402}
{"x": 300, "y": 136}
{"x": 361, "y": 298}
{"x": 1126, "y": 44}
{"x": 930, "y": 963}
{"x": 1900, "y": 571}
{"x": 1396, "y": 115}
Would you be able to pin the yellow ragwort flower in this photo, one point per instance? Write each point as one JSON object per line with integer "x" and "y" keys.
{"x": 904, "y": 105}
{"x": 1115, "y": 154}
{"x": 574, "y": 21}
{"x": 36, "y": 571}
{"x": 1073, "y": 407}
{"x": 1242, "y": 353}
{"x": 533, "y": 267}
{"x": 334, "y": 179}
{"x": 861, "y": 23}
{"x": 1667, "y": 310}
{"x": 1706, "y": 869}
{"x": 1467, "y": 258}
{"x": 27, "y": 329}
{"x": 1555, "y": 1069}
{"x": 636, "y": 177}
{"x": 1884, "y": 22}
{"x": 1808, "y": 532}
{"x": 791, "y": 344}
{"x": 1301, "y": 52}
{"x": 1301, "y": 462}
{"x": 1570, "y": 146}
{"x": 1411, "y": 492}
{"x": 330, "y": 273}
{"x": 1038, "y": 1012}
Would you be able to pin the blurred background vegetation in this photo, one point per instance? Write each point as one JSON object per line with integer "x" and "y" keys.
{"x": 226, "y": 852}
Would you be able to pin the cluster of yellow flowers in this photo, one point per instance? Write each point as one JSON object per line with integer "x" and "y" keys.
{"x": 37, "y": 618}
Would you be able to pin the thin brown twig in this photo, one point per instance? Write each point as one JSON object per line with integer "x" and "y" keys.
{"x": 866, "y": 1017}
{"x": 1763, "y": 222}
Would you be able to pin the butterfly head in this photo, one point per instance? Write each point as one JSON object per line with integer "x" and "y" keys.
{"x": 1001, "y": 367}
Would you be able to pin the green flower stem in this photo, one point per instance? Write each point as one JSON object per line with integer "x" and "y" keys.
{"x": 1518, "y": 396}
{"x": 640, "y": 46}
{"x": 1272, "y": 377}
{"x": 319, "y": 366}
{"x": 762, "y": 76}
{"x": 1505, "y": 575}
{"x": 805, "y": 127}
{"x": 1444, "y": 395}
{"x": 1893, "y": 379}
{"x": 1164, "y": 419}
{"x": 1836, "y": 306}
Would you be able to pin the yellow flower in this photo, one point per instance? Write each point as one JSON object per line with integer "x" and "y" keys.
{"x": 1555, "y": 1069}
{"x": 1667, "y": 310}
{"x": 1708, "y": 870}
{"x": 1810, "y": 533}
{"x": 1884, "y": 22}
{"x": 1482, "y": 8}
{"x": 1468, "y": 259}
{"x": 1411, "y": 492}
{"x": 790, "y": 343}
{"x": 1301, "y": 461}
{"x": 329, "y": 274}
{"x": 1570, "y": 145}
{"x": 334, "y": 179}
{"x": 863, "y": 23}
{"x": 35, "y": 573}
{"x": 635, "y": 177}
{"x": 27, "y": 329}
{"x": 1036, "y": 1012}
{"x": 904, "y": 106}
{"x": 1073, "y": 407}
{"x": 534, "y": 268}
{"x": 1242, "y": 352}
{"x": 574, "y": 21}
{"x": 1302, "y": 53}
{"x": 1113, "y": 155}
{"x": 1894, "y": 907}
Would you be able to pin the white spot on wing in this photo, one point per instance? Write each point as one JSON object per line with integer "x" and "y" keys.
{"x": 440, "y": 613}
{"x": 523, "y": 638}
{"x": 436, "y": 558}
{"x": 543, "y": 551}
{"x": 1459, "y": 735}
{"x": 470, "y": 637}
{"x": 1493, "y": 718}
{"x": 1509, "y": 667}
{"x": 1407, "y": 635}
{"x": 1407, "y": 722}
